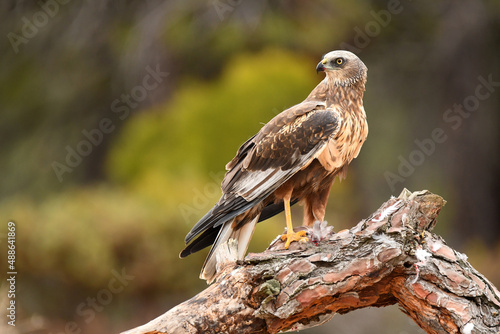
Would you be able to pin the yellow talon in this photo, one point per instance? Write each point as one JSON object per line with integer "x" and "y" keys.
{"x": 290, "y": 235}
{"x": 299, "y": 236}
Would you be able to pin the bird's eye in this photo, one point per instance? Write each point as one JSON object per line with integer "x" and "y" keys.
{"x": 339, "y": 61}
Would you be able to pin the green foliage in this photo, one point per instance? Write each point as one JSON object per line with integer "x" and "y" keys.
{"x": 199, "y": 130}
{"x": 169, "y": 164}
{"x": 76, "y": 239}
{"x": 94, "y": 230}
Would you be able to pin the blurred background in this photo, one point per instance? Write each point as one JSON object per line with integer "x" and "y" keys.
{"x": 119, "y": 116}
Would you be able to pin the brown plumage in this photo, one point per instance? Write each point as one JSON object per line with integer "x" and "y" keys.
{"x": 295, "y": 157}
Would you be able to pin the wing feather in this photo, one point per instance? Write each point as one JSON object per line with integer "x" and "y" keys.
{"x": 280, "y": 154}
{"x": 285, "y": 145}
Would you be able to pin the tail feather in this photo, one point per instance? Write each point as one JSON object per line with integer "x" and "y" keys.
{"x": 209, "y": 268}
{"x": 242, "y": 235}
{"x": 220, "y": 214}
{"x": 208, "y": 237}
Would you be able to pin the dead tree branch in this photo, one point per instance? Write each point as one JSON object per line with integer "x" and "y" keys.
{"x": 388, "y": 258}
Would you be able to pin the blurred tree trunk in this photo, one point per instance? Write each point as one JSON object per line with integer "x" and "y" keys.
{"x": 458, "y": 62}
{"x": 386, "y": 259}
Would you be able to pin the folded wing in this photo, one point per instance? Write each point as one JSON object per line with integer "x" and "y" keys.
{"x": 288, "y": 143}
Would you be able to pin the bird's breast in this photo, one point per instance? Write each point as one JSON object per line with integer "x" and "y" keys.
{"x": 345, "y": 145}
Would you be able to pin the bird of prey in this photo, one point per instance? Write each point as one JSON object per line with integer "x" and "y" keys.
{"x": 293, "y": 158}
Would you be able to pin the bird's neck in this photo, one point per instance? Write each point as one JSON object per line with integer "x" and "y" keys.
{"x": 336, "y": 93}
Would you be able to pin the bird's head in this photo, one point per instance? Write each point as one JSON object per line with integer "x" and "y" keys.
{"x": 343, "y": 67}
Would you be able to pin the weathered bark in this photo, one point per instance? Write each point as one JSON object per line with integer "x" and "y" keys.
{"x": 389, "y": 258}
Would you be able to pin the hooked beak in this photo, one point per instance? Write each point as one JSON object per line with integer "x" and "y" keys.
{"x": 321, "y": 66}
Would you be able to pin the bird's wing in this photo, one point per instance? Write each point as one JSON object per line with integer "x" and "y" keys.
{"x": 288, "y": 143}
{"x": 283, "y": 147}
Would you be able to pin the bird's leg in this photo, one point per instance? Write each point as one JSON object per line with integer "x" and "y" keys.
{"x": 290, "y": 234}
